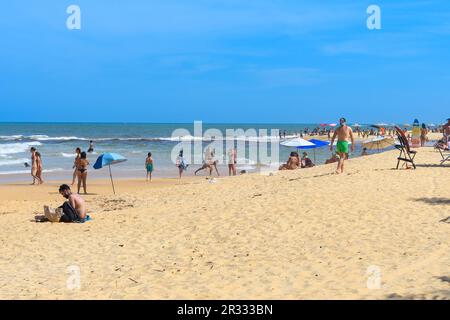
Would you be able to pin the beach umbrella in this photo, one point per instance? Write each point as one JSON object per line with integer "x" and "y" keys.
{"x": 107, "y": 159}
{"x": 332, "y": 124}
{"x": 318, "y": 144}
{"x": 297, "y": 142}
{"x": 378, "y": 143}
{"x": 381, "y": 124}
{"x": 323, "y": 125}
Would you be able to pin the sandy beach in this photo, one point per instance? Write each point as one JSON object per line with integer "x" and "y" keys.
{"x": 304, "y": 234}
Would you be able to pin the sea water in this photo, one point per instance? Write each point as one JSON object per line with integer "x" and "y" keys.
{"x": 57, "y": 142}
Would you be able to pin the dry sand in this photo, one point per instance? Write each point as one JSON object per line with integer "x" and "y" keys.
{"x": 301, "y": 234}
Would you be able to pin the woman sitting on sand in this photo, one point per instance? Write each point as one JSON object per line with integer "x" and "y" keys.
{"x": 82, "y": 165}
{"x": 306, "y": 161}
{"x": 292, "y": 163}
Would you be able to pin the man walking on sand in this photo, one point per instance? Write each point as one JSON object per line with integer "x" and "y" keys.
{"x": 344, "y": 132}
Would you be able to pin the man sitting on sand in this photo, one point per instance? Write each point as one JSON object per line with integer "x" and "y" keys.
{"x": 75, "y": 208}
{"x": 344, "y": 133}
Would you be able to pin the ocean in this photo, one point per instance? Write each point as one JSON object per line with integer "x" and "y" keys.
{"x": 57, "y": 142}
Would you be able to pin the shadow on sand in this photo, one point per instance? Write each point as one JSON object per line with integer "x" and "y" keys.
{"x": 434, "y": 201}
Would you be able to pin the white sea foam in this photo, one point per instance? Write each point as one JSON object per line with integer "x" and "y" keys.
{"x": 68, "y": 155}
{"x": 40, "y": 137}
{"x": 11, "y": 148}
{"x": 28, "y": 171}
{"x": 9, "y": 138}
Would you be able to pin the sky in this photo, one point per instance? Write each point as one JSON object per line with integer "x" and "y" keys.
{"x": 253, "y": 61}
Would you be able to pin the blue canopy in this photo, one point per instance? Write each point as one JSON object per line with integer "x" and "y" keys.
{"x": 108, "y": 159}
{"x": 319, "y": 143}
{"x": 316, "y": 144}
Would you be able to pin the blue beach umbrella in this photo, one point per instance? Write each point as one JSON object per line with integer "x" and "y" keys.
{"x": 107, "y": 159}
{"x": 319, "y": 143}
{"x": 316, "y": 144}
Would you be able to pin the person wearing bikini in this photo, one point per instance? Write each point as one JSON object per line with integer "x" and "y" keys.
{"x": 82, "y": 164}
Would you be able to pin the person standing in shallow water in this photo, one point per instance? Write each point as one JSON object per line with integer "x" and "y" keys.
{"x": 181, "y": 163}
{"x": 344, "y": 133}
{"x": 82, "y": 165}
{"x": 34, "y": 165}
{"x": 232, "y": 160}
{"x": 77, "y": 156}
{"x": 91, "y": 147}
{"x": 149, "y": 166}
{"x": 39, "y": 167}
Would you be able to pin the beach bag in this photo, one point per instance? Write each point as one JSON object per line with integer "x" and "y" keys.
{"x": 53, "y": 215}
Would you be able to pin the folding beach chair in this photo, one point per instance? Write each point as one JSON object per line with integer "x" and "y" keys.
{"x": 443, "y": 149}
{"x": 406, "y": 154}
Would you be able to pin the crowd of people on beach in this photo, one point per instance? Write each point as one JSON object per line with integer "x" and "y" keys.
{"x": 74, "y": 210}
{"x": 345, "y": 142}
{"x": 343, "y": 132}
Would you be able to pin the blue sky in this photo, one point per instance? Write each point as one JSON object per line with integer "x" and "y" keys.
{"x": 225, "y": 61}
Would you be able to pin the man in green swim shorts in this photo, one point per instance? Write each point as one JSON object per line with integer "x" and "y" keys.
{"x": 343, "y": 133}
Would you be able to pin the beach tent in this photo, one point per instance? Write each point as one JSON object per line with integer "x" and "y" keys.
{"x": 107, "y": 159}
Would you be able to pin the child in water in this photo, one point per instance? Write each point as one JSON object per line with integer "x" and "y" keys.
{"x": 149, "y": 166}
